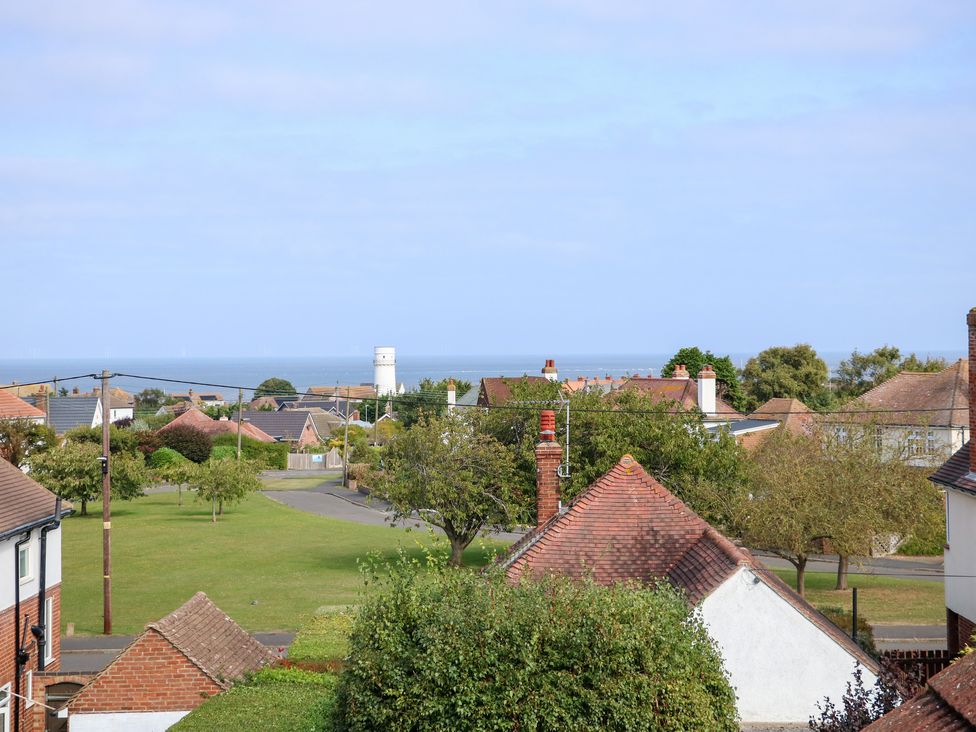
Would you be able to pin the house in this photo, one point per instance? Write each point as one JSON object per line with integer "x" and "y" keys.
{"x": 600, "y": 384}
{"x": 688, "y": 393}
{"x": 170, "y": 669}
{"x": 360, "y": 391}
{"x": 193, "y": 417}
{"x": 68, "y": 412}
{"x": 289, "y": 425}
{"x": 924, "y": 416}
{"x": 13, "y": 407}
{"x": 947, "y": 703}
{"x": 211, "y": 399}
{"x": 793, "y": 414}
{"x": 782, "y": 655}
{"x": 30, "y": 589}
{"x": 264, "y": 402}
{"x": 957, "y": 476}
{"x": 121, "y": 403}
{"x": 338, "y": 407}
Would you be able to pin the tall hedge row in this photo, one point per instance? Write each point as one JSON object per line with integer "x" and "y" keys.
{"x": 269, "y": 455}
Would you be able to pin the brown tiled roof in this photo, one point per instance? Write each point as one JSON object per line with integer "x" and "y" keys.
{"x": 23, "y": 500}
{"x": 13, "y": 407}
{"x": 262, "y": 402}
{"x": 794, "y": 414}
{"x": 952, "y": 473}
{"x": 193, "y": 417}
{"x": 943, "y": 396}
{"x": 497, "y": 390}
{"x": 682, "y": 391}
{"x": 362, "y": 391}
{"x": 216, "y": 644}
{"x": 627, "y": 526}
{"x": 946, "y": 704}
{"x": 583, "y": 382}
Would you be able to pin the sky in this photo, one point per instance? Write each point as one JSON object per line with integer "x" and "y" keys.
{"x": 307, "y": 178}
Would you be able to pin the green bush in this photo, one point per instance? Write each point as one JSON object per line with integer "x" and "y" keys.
{"x": 269, "y": 455}
{"x": 188, "y": 441}
{"x": 120, "y": 440}
{"x": 453, "y": 650}
{"x": 843, "y": 619}
{"x": 165, "y": 456}
{"x": 223, "y": 452}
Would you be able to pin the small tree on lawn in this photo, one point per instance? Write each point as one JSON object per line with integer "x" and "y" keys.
{"x": 454, "y": 477}
{"x": 21, "y": 438}
{"x": 225, "y": 480}
{"x": 74, "y": 472}
{"x": 188, "y": 441}
{"x": 171, "y": 467}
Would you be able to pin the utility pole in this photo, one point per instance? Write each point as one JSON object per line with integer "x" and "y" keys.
{"x": 106, "y": 509}
{"x": 240, "y": 414}
{"x": 345, "y": 447}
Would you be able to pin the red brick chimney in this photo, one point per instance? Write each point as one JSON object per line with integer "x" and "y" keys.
{"x": 548, "y": 456}
{"x": 680, "y": 372}
{"x": 971, "y": 322}
{"x": 549, "y": 370}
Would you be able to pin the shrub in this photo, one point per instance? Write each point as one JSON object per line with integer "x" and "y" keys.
{"x": 147, "y": 441}
{"x": 859, "y": 706}
{"x": 120, "y": 440}
{"x": 164, "y": 457}
{"x": 843, "y": 619}
{"x": 359, "y": 471}
{"x": 223, "y": 452}
{"x": 188, "y": 441}
{"x": 268, "y": 455}
{"x": 453, "y": 650}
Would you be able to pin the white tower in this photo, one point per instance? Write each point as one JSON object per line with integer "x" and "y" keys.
{"x": 384, "y": 370}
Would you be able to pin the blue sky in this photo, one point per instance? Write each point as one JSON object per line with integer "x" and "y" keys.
{"x": 578, "y": 176}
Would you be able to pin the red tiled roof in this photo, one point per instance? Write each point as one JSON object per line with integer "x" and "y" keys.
{"x": 943, "y": 397}
{"x": 682, "y": 391}
{"x": 193, "y": 417}
{"x": 13, "y": 407}
{"x": 627, "y": 526}
{"x": 947, "y": 704}
{"x": 23, "y": 500}
{"x": 582, "y": 382}
{"x": 794, "y": 414}
{"x": 498, "y": 390}
{"x": 954, "y": 471}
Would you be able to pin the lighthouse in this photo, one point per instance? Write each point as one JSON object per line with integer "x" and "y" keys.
{"x": 384, "y": 370}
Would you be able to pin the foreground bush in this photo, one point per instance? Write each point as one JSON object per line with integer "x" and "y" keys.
{"x": 269, "y": 455}
{"x": 164, "y": 457}
{"x": 188, "y": 441}
{"x": 459, "y": 651}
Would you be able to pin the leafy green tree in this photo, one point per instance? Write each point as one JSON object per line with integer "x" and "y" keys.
{"x": 230, "y": 481}
{"x": 930, "y": 364}
{"x": 457, "y": 651}
{"x": 21, "y": 438}
{"x": 795, "y": 372}
{"x": 726, "y": 374}
{"x": 121, "y": 440}
{"x": 274, "y": 387}
{"x": 171, "y": 467}
{"x": 188, "y": 441}
{"x": 150, "y": 399}
{"x": 74, "y": 472}
{"x": 864, "y": 371}
{"x": 427, "y": 398}
{"x": 454, "y": 477}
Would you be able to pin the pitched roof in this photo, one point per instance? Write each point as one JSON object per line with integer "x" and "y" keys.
{"x": 361, "y": 391}
{"x": 71, "y": 411}
{"x": 627, "y": 526}
{"x": 682, "y": 391}
{"x": 469, "y": 398}
{"x": 285, "y": 425}
{"x": 13, "y": 407}
{"x": 946, "y": 704}
{"x": 795, "y": 415}
{"x": 497, "y": 390}
{"x": 193, "y": 417}
{"x": 263, "y": 402}
{"x": 954, "y": 472}
{"x": 23, "y": 500}
{"x": 944, "y": 397}
{"x": 603, "y": 383}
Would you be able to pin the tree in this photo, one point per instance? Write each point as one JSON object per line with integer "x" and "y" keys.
{"x": 120, "y": 440}
{"x": 21, "y": 438}
{"x": 150, "y": 399}
{"x": 864, "y": 371}
{"x": 930, "y": 364}
{"x": 74, "y": 472}
{"x": 188, "y": 441}
{"x": 225, "y": 481}
{"x": 171, "y": 467}
{"x": 454, "y": 477}
{"x": 462, "y": 651}
{"x": 428, "y": 397}
{"x": 726, "y": 374}
{"x": 795, "y": 372}
{"x": 274, "y": 387}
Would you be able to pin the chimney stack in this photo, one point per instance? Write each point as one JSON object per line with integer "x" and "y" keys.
{"x": 680, "y": 372}
{"x": 451, "y": 396}
{"x": 548, "y": 455}
{"x": 549, "y": 370}
{"x": 971, "y": 322}
{"x": 706, "y": 390}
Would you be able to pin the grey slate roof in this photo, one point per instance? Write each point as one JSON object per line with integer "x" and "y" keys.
{"x": 70, "y": 412}
{"x": 285, "y": 425}
{"x": 469, "y": 399}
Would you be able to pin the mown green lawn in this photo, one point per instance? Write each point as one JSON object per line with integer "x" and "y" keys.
{"x": 879, "y": 599}
{"x": 266, "y": 565}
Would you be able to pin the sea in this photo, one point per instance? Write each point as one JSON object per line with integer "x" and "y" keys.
{"x": 227, "y": 374}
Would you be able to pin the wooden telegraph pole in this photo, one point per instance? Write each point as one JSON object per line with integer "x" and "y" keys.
{"x": 240, "y": 414}
{"x": 106, "y": 509}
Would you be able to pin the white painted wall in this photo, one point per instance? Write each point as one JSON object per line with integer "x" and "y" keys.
{"x": 384, "y": 370}
{"x": 960, "y": 554}
{"x": 32, "y": 586}
{"x": 125, "y": 721}
{"x": 779, "y": 662}
{"x": 118, "y": 413}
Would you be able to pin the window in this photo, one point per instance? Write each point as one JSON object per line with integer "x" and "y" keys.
{"x": 841, "y": 434}
{"x": 921, "y": 442}
{"x": 50, "y": 632}
{"x": 29, "y": 689}
{"x": 878, "y": 438}
{"x": 5, "y": 708}
{"x": 24, "y": 563}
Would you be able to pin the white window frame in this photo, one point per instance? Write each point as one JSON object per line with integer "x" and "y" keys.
{"x": 25, "y": 549}
{"x": 5, "y": 708}
{"x": 49, "y": 630}
{"x": 29, "y": 690}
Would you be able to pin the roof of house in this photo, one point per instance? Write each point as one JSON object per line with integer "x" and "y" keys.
{"x": 193, "y": 417}
{"x": 627, "y": 526}
{"x": 682, "y": 391}
{"x": 603, "y": 383}
{"x": 794, "y": 414}
{"x": 13, "y": 407}
{"x": 69, "y": 412}
{"x": 496, "y": 390}
{"x": 920, "y": 398}
{"x": 361, "y": 391}
{"x": 325, "y": 422}
{"x": 23, "y": 500}
{"x": 263, "y": 402}
{"x": 469, "y": 398}
{"x": 954, "y": 472}
{"x": 946, "y": 704}
{"x": 286, "y": 425}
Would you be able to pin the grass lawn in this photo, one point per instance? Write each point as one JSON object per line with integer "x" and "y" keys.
{"x": 879, "y": 599}
{"x": 266, "y": 565}
{"x": 297, "y": 484}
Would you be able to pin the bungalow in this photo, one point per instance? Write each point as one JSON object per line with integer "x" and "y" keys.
{"x": 290, "y": 425}
{"x": 597, "y": 383}
{"x": 688, "y": 393}
{"x": 782, "y": 655}
{"x": 30, "y": 590}
{"x": 205, "y": 400}
{"x": 957, "y": 476}
{"x": 193, "y": 417}
{"x": 170, "y": 669}
{"x": 13, "y": 407}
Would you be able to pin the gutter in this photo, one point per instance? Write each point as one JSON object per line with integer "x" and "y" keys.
{"x": 34, "y": 524}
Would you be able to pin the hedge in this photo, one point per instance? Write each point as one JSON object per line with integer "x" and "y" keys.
{"x": 269, "y": 455}
{"x": 224, "y": 452}
{"x": 164, "y": 456}
{"x": 188, "y": 441}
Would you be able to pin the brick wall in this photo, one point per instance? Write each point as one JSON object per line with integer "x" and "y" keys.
{"x": 959, "y": 631}
{"x": 37, "y": 714}
{"x": 9, "y": 642}
{"x": 149, "y": 676}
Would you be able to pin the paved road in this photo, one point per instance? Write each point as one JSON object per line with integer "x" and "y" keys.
{"x": 909, "y": 637}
